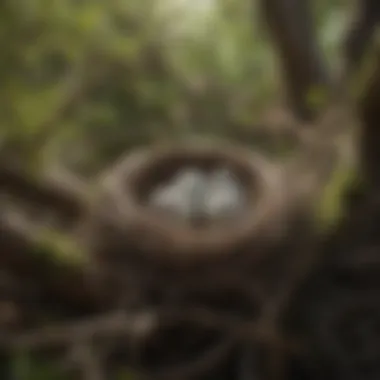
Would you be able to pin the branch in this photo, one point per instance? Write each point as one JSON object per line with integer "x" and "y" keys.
{"x": 369, "y": 113}
{"x": 57, "y": 280}
{"x": 292, "y": 28}
{"x": 113, "y": 324}
{"x": 361, "y": 34}
{"x": 64, "y": 198}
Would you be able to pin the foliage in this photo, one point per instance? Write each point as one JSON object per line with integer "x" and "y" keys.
{"x": 83, "y": 81}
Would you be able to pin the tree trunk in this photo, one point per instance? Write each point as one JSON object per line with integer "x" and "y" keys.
{"x": 293, "y": 31}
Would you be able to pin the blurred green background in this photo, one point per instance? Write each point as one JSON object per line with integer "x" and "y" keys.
{"x": 82, "y": 81}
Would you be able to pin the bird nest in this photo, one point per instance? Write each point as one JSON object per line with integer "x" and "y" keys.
{"x": 126, "y": 209}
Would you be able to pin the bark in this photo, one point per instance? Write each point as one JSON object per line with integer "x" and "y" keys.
{"x": 293, "y": 32}
{"x": 62, "y": 284}
{"x": 369, "y": 112}
{"x": 65, "y": 199}
{"x": 361, "y": 33}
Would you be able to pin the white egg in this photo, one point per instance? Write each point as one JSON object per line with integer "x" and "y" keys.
{"x": 191, "y": 195}
{"x": 225, "y": 195}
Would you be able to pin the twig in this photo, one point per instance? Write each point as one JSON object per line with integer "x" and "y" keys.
{"x": 113, "y": 324}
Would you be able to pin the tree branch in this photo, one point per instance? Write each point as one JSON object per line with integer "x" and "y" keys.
{"x": 361, "y": 33}
{"x": 56, "y": 280}
{"x": 66, "y": 199}
{"x": 292, "y": 28}
{"x": 369, "y": 113}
